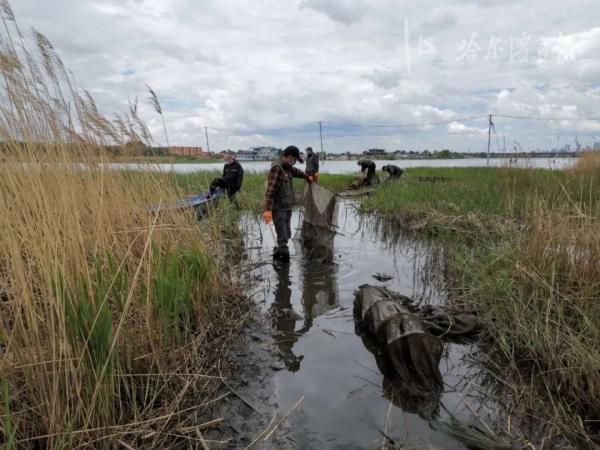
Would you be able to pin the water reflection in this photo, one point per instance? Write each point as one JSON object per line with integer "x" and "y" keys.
{"x": 408, "y": 396}
{"x": 319, "y": 289}
{"x": 284, "y": 318}
{"x": 319, "y": 295}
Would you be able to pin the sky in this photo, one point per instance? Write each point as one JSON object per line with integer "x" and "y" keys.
{"x": 265, "y": 72}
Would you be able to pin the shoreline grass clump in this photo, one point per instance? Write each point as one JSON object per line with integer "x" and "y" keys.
{"x": 113, "y": 319}
{"x": 535, "y": 281}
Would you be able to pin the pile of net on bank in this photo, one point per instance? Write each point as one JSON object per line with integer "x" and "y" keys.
{"x": 319, "y": 224}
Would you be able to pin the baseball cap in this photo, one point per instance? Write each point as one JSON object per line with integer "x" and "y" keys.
{"x": 294, "y": 151}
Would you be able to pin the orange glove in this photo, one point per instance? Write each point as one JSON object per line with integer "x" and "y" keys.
{"x": 316, "y": 176}
{"x": 268, "y": 216}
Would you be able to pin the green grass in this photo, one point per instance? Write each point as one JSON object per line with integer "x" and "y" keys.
{"x": 487, "y": 194}
{"x": 252, "y": 194}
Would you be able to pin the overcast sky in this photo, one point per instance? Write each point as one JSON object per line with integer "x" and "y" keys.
{"x": 246, "y": 67}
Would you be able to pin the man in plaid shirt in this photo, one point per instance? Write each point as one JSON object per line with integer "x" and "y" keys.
{"x": 279, "y": 198}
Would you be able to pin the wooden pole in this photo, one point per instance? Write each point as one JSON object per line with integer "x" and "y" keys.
{"x": 207, "y": 144}
{"x": 489, "y": 137}
{"x": 321, "y": 135}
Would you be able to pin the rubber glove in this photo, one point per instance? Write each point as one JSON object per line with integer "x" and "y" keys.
{"x": 316, "y": 176}
{"x": 268, "y": 217}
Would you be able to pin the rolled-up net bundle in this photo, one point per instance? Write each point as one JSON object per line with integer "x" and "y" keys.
{"x": 412, "y": 353}
{"x": 319, "y": 224}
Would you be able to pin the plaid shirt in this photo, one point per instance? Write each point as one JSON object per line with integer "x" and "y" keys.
{"x": 274, "y": 182}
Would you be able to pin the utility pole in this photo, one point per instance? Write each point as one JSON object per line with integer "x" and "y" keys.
{"x": 504, "y": 143}
{"x": 321, "y": 135}
{"x": 489, "y": 137}
{"x": 207, "y": 144}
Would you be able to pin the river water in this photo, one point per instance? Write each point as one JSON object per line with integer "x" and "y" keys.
{"x": 351, "y": 166}
{"x": 323, "y": 361}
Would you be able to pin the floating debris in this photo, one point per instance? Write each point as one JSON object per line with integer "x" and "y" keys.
{"x": 383, "y": 277}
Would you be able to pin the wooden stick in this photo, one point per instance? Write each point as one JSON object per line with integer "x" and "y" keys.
{"x": 283, "y": 419}
{"x": 263, "y": 433}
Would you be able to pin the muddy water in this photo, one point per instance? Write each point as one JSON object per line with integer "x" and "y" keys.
{"x": 320, "y": 358}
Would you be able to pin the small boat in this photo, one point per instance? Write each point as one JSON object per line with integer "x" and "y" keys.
{"x": 201, "y": 203}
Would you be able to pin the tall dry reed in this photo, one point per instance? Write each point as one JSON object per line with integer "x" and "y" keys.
{"x": 110, "y": 315}
{"x": 538, "y": 288}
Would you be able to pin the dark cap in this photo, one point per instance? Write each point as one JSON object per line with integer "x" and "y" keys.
{"x": 293, "y": 150}
{"x": 308, "y": 150}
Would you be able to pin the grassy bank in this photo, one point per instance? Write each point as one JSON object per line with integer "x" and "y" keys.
{"x": 475, "y": 199}
{"x": 252, "y": 194}
{"x": 523, "y": 249}
{"x": 114, "y": 321}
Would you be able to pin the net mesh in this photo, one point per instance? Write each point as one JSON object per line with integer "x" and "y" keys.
{"x": 319, "y": 224}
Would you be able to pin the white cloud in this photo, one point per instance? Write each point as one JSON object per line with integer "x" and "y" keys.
{"x": 461, "y": 128}
{"x": 347, "y": 12}
{"x": 248, "y": 66}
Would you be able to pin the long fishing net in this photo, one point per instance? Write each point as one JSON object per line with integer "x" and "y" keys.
{"x": 319, "y": 225}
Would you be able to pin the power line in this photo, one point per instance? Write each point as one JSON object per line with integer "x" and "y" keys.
{"x": 546, "y": 118}
{"x": 265, "y": 130}
{"x": 405, "y": 125}
{"x": 307, "y": 125}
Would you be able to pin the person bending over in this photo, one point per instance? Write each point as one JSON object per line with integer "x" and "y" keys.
{"x": 394, "y": 172}
{"x": 367, "y": 168}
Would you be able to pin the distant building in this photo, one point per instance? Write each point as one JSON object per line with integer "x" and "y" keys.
{"x": 188, "y": 151}
{"x": 246, "y": 155}
{"x": 374, "y": 152}
{"x": 266, "y": 153}
{"x": 399, "y": 154}
{"x": 259, "y": 154}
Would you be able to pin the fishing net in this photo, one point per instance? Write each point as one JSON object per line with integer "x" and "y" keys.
{"x": 319, "y": 225}
{"x": 412, "y": 353}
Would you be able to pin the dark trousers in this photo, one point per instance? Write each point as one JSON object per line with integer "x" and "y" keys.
{"x": 283, "y": 227}
{"x": 220, "y": 183}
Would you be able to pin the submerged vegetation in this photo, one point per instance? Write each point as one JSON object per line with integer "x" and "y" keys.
{"x": 114, "y": 320}
{"x": 523, "y": 249}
